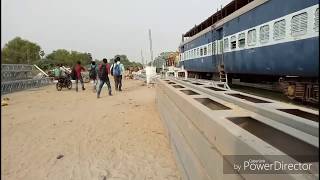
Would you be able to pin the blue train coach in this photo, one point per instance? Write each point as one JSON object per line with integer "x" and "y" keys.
{"x": 259, "y": 41}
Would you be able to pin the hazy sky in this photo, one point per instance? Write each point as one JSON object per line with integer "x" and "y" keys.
{"x": 104, "y": 27}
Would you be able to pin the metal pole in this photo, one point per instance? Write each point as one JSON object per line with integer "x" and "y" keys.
{"x": 142, "y": 60}
{"x": 151, "y": 53}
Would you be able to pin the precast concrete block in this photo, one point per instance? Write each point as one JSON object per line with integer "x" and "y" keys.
{"x": 190, "y": 163}
{"x": 224, "y": 136}
{"x": 205, "y": 151}
{"x": 269, "y": 109}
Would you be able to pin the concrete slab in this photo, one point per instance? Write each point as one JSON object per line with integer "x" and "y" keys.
{"x": 208, "y": 132}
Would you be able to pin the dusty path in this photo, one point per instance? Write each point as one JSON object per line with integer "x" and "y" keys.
{"x": 118, "y": 137}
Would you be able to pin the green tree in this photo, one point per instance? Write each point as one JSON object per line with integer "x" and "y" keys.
{"x": 62, "y": 56}
{"x": 20, "y": 51}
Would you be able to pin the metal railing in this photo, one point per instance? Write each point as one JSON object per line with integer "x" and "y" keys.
{"x": 17, "y": 77}
{"x": 12, "y": 86}
{"x": 16, "y": 67}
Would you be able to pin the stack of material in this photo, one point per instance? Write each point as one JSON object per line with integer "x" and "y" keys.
{"x": 204, "y": 129}
{"x": 15, "y": 77}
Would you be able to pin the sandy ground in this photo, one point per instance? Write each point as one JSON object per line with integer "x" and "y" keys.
{"x": 46, "y": 134}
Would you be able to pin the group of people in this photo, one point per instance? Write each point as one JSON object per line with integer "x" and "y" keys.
{"x": 102, "y": 72}
{"x": 98, "y": 74}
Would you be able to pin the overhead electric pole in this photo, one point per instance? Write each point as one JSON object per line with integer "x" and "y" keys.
{"x": 151, "y": 53}
{"x": 142, "y": 60}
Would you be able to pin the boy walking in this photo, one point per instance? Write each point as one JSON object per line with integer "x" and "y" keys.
{"x": 103, "y": 76}
{"x": 93, "y": 75}
{"x": 117, "y": 70}
{"x": 78, "y": 68}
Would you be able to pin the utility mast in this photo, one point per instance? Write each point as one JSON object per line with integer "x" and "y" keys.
{"x": 151, "y": 53}
{"x": 142, "y": 60}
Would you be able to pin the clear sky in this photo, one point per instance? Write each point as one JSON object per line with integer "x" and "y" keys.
{"x": 104, "y": 27}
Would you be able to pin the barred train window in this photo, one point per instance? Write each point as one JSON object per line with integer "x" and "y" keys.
{"x": 198, "y": 52}
{"x": 209, "y": 49}
{"x": 233, "y": 42}
{"x": 252, "y": 37}
{"x": 226, "y": 43}
{"x": 279, "y": 29}
{"x": 242, "y": 40}
{"x": 299, "y": 24}
{"x": 264, "y": 33}
{"x": 316, "y": 20}
{"x": 221, "y": 46}
{"x": 205, "y": 51}
{"x": 213, "y": 48}
{"x": 201, "y": 51}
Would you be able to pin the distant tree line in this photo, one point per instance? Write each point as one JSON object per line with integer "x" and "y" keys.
{"x": 126, "y": 62}
{"x": 21, "y": 51}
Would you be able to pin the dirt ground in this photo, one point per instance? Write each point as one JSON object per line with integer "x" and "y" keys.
{"x": 46, "y": 134}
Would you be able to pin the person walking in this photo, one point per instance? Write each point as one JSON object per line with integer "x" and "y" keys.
{"x": 117, "y": 70}
{"x": 78, "y": 68}
{"x": 57, "y": 72}
{"x": 103, "y": 77}
{"x": 93, "y": 75}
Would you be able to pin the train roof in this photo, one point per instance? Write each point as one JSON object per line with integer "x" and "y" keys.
{"x": 232, "y": 10}
{"x": 224, "y": 12}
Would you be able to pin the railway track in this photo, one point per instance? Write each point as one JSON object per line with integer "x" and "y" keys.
{"x": 277, "y": 96}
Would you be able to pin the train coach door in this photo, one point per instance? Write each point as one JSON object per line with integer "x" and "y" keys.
{"x": 219, "y": 44}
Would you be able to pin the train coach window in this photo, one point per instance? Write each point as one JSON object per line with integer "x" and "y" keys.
{"x": 201, "y": 51}
{"x": 264, "y": 33}
{"x": 252, "y": 37}
{"x": 213, "y": 48}
{"x": 220, "y": 46}
{"x": 299, "y": 24}
{"x": 279, "y": 29}
{"x": 316, "y": 20}
{"x": 233, "y": 42}
{"x": 205, "y": 51}
{"x": 209, "y": 49}
{"x": 198, "y": 52}
{"x": 242, "y": 40}
{"x": 226, "y": 43}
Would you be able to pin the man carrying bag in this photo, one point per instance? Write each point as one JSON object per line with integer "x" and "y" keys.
{"x": 117, "y": 70}
{"x": 103, "y": 77}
